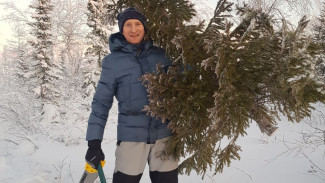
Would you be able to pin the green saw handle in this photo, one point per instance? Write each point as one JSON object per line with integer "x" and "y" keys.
{"x": 101, "y": 174}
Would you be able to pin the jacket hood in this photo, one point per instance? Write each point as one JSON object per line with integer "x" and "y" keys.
{"x": 117, "y": 42}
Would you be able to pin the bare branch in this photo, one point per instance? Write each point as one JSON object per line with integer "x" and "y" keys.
{"x": 313, "y": 163}
{"x": 15, "y": 14}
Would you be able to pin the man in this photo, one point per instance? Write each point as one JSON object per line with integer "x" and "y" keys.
{"x": 141, "y": 138}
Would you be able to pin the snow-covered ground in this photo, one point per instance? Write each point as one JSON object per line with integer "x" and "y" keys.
{"x": 285, "y": 157}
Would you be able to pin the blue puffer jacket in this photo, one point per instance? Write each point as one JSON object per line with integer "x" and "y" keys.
{"x": 120, "y": 75}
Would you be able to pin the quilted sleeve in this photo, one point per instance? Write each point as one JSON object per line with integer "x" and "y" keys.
{"x": 102, "y": 102}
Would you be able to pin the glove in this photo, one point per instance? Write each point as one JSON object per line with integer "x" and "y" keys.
{"x": 94, "y": 153}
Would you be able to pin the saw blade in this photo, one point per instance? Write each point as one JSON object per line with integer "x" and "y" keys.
{"x": 88, "y": 177}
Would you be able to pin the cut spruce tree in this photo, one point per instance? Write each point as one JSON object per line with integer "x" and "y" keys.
{"x": 223, "y": 77}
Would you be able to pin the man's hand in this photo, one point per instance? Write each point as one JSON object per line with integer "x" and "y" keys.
{"x": 94, "y": 153}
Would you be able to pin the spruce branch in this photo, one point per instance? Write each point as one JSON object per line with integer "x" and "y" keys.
{"x": 218, "y": 19}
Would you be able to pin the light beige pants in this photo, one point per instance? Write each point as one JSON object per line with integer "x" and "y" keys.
{"x": 131, "y": 157}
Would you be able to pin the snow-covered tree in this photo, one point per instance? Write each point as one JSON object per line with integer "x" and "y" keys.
{"x": 224, "y": 76}
{"x": 98, "y": 43}
{"x": 20, "y": 50}
{"x": 17, "y": 104}
{"x": 70, "y": 30}
{"x": 46, "y": 71}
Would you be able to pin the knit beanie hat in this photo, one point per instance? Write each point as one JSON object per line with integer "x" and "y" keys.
{"x": 130, "y": 13}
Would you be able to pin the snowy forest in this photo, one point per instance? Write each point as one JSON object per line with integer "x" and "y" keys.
{"x": 241, "y": 69}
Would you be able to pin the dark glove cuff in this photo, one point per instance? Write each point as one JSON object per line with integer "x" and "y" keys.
{"x": 94, "y": 144}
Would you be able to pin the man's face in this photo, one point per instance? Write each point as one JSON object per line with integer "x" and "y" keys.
{"x": 133, "y": 31}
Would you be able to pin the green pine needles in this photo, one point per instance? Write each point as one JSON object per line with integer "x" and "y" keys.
{"x": 223, "y": 77}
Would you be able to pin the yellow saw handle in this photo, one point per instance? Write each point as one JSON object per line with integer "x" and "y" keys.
{"x": 90, "y": 174}
{"x": 91, "y": 169}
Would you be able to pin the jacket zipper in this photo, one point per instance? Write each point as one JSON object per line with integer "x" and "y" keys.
{"x": 137, "y": 57}
{"x": 138, "y": 51}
